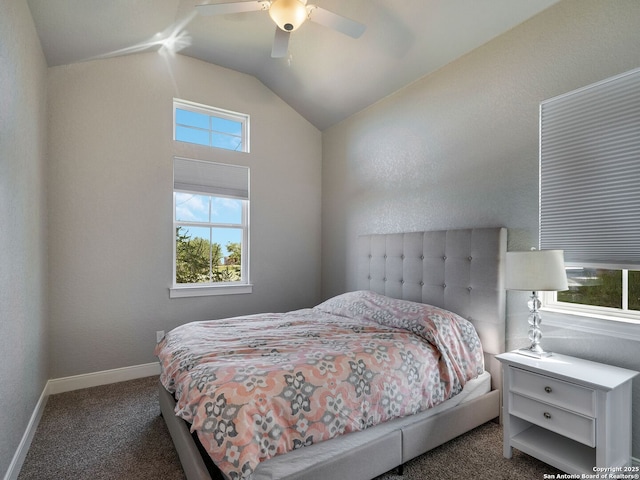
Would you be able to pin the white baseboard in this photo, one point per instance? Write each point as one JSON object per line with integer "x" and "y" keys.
{"x": 105, "y": 377}
{"x": 67, "y": 384}
{"x": 25, "y": 442}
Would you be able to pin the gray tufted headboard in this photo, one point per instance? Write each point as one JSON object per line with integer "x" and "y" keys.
{"x": 459, "y": 270}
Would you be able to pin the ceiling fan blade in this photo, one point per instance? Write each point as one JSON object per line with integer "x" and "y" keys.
{"x": 337, "y": 22}
{"x": 233, "y": 7}
{"x": 280, "y": 44}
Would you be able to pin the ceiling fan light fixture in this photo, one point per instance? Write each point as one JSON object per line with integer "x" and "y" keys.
{"x": 288, "y": 14}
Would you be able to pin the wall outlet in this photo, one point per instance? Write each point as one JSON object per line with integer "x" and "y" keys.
{"x": 159, "y": 335}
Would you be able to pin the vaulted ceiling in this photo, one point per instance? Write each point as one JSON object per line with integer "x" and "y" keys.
{"x": 326, "y": 76}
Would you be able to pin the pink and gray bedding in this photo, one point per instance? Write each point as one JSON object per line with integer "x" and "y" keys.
{"x": 258, "y": 386}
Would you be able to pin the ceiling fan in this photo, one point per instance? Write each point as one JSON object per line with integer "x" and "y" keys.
{"x": 288, "y": 15}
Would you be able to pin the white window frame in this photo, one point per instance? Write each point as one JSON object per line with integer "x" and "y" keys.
{"x": 590, "y": 322}
{"x": 179, "y": 290}
{"x": 614, "y": 322}
{"x": 242, "y": 118}
{"x": 217, "y": 288}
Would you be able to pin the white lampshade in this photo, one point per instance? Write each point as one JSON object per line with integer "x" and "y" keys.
{"x": 536, "y": 271}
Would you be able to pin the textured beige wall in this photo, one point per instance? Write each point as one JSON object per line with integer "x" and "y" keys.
{"x": 110, "y": 204}
{"x": 459, "y": 148}
{"x": 23, "y": 326}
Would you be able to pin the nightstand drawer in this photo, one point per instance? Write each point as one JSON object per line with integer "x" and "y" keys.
{"x": 566, "y": 423}
{"x": 565, "y": 395}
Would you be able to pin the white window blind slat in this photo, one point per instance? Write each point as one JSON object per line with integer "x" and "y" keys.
{"x": 210, "y": 178}
{"x": 590, "y": 172}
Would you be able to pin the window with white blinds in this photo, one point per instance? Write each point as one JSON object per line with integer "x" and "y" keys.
{"x": 218, "y": 179}
{"x": 590, "y": 200}
{"x": 590, "y": 173}
{"x": 211, "y": 226}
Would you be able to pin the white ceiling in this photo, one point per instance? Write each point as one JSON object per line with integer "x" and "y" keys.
{"x": 326, "y": 77}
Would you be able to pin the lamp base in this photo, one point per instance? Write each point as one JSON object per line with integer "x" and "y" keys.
{"x": 535, "y": 334}
{"x": 534, "y": 352}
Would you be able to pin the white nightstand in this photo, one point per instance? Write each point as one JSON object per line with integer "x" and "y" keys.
{"x": 570, "y": 413}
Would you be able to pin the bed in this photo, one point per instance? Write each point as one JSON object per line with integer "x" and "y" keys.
{"x": 452, "y": 272}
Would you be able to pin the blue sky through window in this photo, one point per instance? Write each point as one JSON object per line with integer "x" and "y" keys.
{"x": 192, "y": 119}
{"x": 209, "y": 130}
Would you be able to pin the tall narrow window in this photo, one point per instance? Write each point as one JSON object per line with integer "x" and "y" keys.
{"x": 211, "y": 225}
{"x": 208, "y": 126}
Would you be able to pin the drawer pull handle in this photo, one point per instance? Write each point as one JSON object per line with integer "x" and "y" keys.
{"x": 547, "y": 415}
{"x": 548, "y": 389}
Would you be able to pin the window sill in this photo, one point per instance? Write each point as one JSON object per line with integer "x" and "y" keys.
{"x": 204, "y": 291}
{"x": 619, "y": 328}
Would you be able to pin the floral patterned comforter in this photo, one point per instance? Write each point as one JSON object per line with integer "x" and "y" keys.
{"x": 257, "y": 386}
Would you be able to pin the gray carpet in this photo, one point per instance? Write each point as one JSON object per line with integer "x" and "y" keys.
{"x": 115, "y": 432}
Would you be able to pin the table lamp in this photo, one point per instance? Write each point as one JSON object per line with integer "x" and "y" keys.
{"x": 535, "y": 271}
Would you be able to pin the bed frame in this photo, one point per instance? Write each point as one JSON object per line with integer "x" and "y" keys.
{"x": 459, "y": 270}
